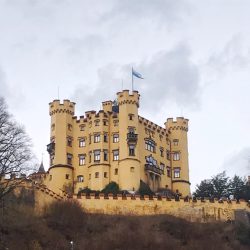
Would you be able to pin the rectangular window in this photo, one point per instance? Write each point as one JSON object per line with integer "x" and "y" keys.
{"x": 162, "y": 166}
{"x": 176, "y": 156}
{"x": 80, "y": 178}
{"x": 177, "y": 173}
{"x": 105, "y": 175}
{"x": 116, "y": 155}
{"x": 131, "y": 150}
{"x": 89, "y": 176}
{"x": 116, "y": 123}
{"x": 97, "y": 155}
{"x": 105, "y": 155}
{"x": 175, "y": 142}
{"x": 82, "y": 127}
{"x": 168, "y": 155}
{"x": 116, "y": 171}
{"x": 115, "y": 138}
{"x": 97, "y": 123}
{"x": 69, "y": 141}
{"x": 50, "y": 177}
{"x": 67, "y": 176}
{"x": 81, "y": 160}
{"x": 150, "y": 146}
{"x": 131, "y": 116}
{"x": 69, "y": 159}
{"x": 82, "y": 143}
{"x": 132, "y": 169}
{"x": 161, "y": 152}
{"x": 105, "y": 122}
{"x": 89, "y": 139}
{"x": 69, "y": 127}
{"x": 97, "y": 138}
{"x": 168, "y": 172}
{"x": 96, "y": 174}
{"x": 105, "y": 137}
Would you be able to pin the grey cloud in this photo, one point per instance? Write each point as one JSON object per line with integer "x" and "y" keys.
{"x": 4, "y": 89}
{"x": 238, "y": 163}
{"x": 158, "y": 11}
{"x": 170, "y": 76}
{"x": 233, "y": 55}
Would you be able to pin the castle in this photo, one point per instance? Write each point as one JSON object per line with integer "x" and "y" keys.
{"x": 116, "y": 145}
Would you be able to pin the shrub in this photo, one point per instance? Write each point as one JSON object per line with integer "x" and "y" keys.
{"x": 112, "y": 188}
{"x": 65, "y": 214}
{"x": 145, "y": 189}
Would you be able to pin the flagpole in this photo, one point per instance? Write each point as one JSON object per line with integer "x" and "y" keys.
{"x": 132, "y": 80}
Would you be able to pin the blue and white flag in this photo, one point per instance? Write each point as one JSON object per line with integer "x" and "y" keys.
{"x": 138, "y": 75}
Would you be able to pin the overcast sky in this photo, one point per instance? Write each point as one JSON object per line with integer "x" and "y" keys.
{"x": 194, "y": 56}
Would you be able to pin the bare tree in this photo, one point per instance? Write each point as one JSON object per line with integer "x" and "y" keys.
{"x": 15, "y": 151}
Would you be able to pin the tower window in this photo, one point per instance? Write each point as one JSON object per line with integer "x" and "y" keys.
{"x": 89, "y": 176}
{"x": 131, "y": 117}
{"x": 53, "y": 127}
{"x": 132, "y": 150}
{"x": 97, "y": 138}
{"x": 168, "y": 172}
{"x": 80, "y": 178}
{"x": 69, "y": 159}
{"x": 105, "y": 175}
{"x": 116, "y": 155}
{"x": 176, "y": 142}
{"x": 176, "y": 156}
{"x": 82, "y": 127}
{"x": 50, "y": 177}
{"x": 82, "y": 143}
{"x": 81, "y": 160}
{"x": 177, "y": 172}
{"x": 162, "y": 152}
{"x": 67, "y": 176}
{"x": 97, "y": 123}
{"x": 168, "y": 155}
{"x": 69, "y": 127}
{"x": 69, "y": 141}
{"x": 115, "y": 138}
{"x": 132, "y": 169}
{"x": 105, "y": 155}
{"x": 96, "y": 174}
{"x": 105, "y": 137}
{"x": 116, "y": 171}
{"x": 105, "y": 122}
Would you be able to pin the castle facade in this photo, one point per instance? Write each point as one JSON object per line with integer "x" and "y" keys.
{"x": 118, "y": 145}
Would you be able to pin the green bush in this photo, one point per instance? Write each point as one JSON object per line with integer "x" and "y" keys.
{"x": 112, "y": 188}
{"x": 145, "y": 189}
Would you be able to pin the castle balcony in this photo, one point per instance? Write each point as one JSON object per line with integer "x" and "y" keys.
{"x": 132, "y": 137}
{"x": 51, "y": 148}
{"x": 153, "y": 169}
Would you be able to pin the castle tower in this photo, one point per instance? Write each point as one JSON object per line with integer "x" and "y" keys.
{"x": 61, "y": 146}
{"x": 129, "y": 163}
{"x": 179, "y": 154}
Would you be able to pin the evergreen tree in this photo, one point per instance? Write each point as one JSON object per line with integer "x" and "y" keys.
{"x": 204, "y": 189}
{"x": 237, "y": 187}
{"x": 221, "y": 185}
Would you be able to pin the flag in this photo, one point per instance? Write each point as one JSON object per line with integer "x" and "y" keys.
{"x": 138, "y": 75}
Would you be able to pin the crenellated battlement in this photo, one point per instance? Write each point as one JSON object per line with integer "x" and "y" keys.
{"x": 125, "y": 97}
{"x": 66, "y": 107}
{"x": 107, "y": 106}
{"x": 180, "y": 123}
{"x": 190, "y": 209}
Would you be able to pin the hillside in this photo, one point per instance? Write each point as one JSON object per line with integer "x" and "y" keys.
{"x": 63, "y": 222}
